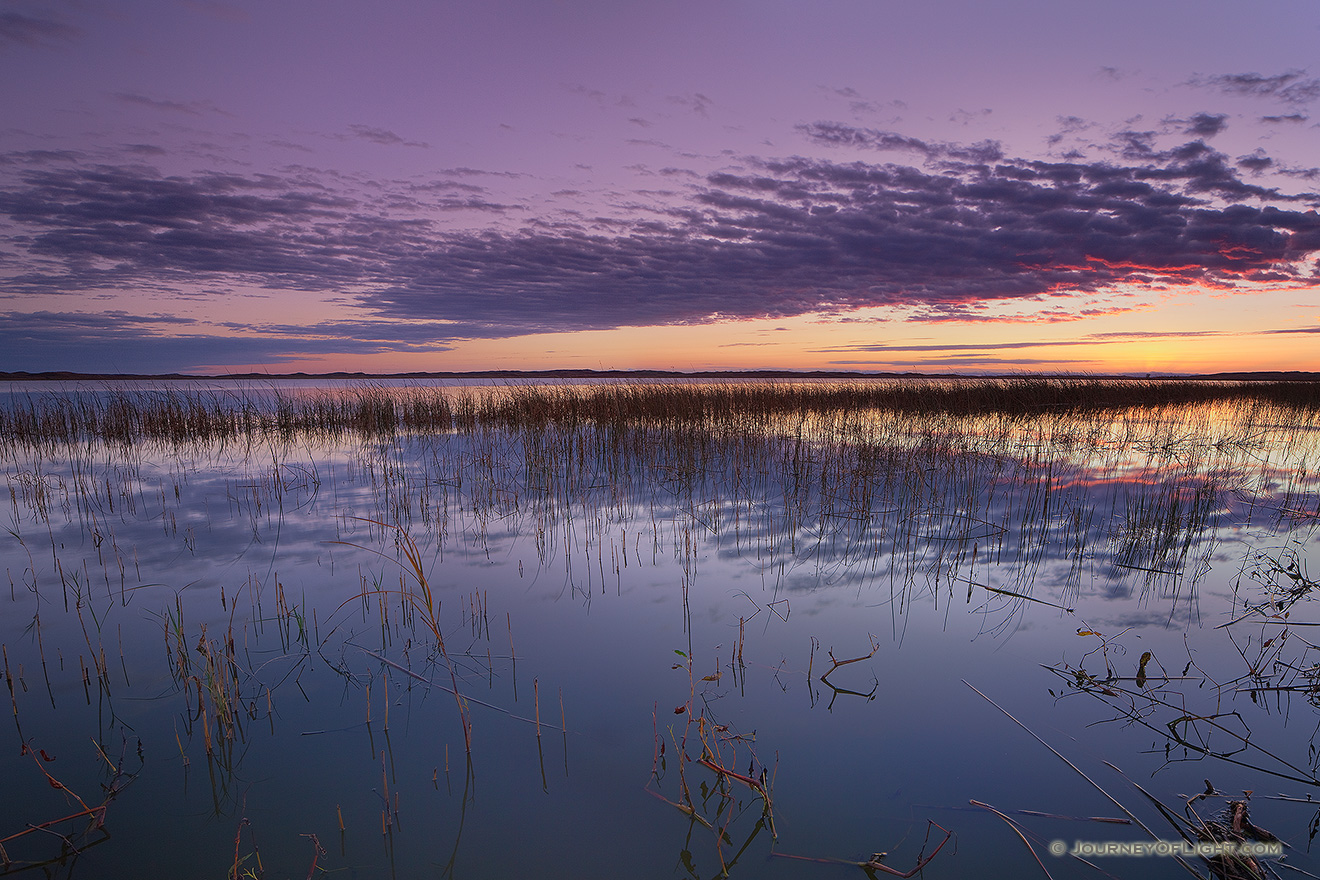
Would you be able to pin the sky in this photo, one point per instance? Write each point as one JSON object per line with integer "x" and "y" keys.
{"x": 938, "y": 186}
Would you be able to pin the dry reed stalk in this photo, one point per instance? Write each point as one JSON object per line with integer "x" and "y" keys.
{"x": 875, "y": 646}
{"x": 1016, "y": 830}
{"x": 387, "y": 819}
{"x": 9, "y": 680}
{"x": 1079, "y": 772}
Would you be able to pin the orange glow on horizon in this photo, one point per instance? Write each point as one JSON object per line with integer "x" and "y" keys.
{"x": 1137, "y": 331}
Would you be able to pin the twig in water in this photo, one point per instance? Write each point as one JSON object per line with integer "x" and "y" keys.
{"x": 875, "y": 863}
{"x": 875, "y": 646}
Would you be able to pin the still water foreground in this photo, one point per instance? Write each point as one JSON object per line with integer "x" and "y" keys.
{"x": 976, "y": 629}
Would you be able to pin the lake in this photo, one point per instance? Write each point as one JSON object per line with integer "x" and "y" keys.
{"x": 656, "y": 629}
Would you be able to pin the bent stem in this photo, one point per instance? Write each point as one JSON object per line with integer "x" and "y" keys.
{"x": 423, "y": 600}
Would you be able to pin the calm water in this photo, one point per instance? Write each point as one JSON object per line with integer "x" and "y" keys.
{"x": 231, "y": 638}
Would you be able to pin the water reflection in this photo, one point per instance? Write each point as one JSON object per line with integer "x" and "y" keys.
{"x": 262, "y": 608}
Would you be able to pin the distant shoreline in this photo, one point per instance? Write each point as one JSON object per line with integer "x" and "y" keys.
{"x": 62, "y": 375}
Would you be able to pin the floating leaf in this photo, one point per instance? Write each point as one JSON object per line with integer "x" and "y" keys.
{"x": 679, "y": 653}
{"x": 1087, "y": 632}
{"x": 1141, "y": 669}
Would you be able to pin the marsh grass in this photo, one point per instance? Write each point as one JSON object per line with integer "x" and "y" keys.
{"x": 1020, "y": 494}
{"x": 182, "y": 417}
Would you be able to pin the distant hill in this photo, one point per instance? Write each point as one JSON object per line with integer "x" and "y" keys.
{"x": 1263, "y": 376}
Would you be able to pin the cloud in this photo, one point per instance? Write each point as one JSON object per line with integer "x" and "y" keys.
{"x": 1123, "y": 335}
{"x": 382, "y": 335}
{"x": 1291, "y": 87}
{"x": 838, "y": 134}
{"x": 1307, "y": 330}
{"x": 696, "y": 102}
{"x": 808, "y": 235}
{"x": 290, "y": 145}
{"x": 861, "y": 105}
{"x": 1135, "y": 145}
{"x": 25, "y": 30}
{"x": 188, "y": 108}
{"x": 118, "y": 226}
{"x": 384, "y": 137}
{"x": 1104, "y": 338}
{"x": 1206, "y": 125}
{"x": 1256, "y": 162}
{"x": 1118, "y": 335}
{"x": 1198, "y": 168}
{"x": 975, "y": 346}
{"x": 106, "y": 342}
{"x": 767, "y": 238}
{"x": 31, "y": 325}
{"x": 1068, "y": 126}
{"x": 598, "y": 97}
{"x": 982, "y": 313}
{"x": 950, "y": 362}
{"x": 40, "y": 157}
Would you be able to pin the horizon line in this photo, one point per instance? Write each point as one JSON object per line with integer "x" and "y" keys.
{"x": 575, "y": 373}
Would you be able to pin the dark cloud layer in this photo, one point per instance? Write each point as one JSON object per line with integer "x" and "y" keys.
{"x": 118, "y": 342}
{"x": 771, "y": 238}
{"x": 114, "y": 342}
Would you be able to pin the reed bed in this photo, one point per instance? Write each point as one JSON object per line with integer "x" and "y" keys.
{"x": 182, "y": 416}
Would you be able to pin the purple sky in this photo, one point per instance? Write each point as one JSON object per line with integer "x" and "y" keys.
{"x": 206, "y": 186}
